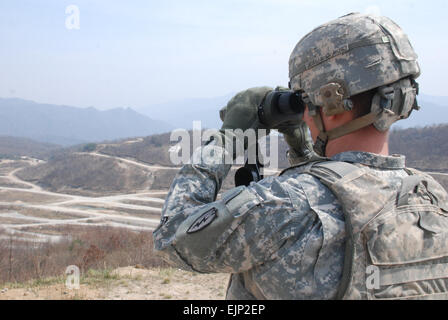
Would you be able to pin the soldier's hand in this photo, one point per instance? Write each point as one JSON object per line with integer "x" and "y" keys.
{"x": 297, "y": 137}
{"x": 300, "y": 143}
{"x": 242, "y": 110}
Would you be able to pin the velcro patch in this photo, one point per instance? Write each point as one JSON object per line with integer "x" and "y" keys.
{"x": 203, "y": 221}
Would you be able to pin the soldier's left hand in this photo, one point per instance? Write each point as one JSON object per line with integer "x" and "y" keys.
{"x": 242, "y": 110}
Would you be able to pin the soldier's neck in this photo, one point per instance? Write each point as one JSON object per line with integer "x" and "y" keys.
{"x": 367, "y": 140}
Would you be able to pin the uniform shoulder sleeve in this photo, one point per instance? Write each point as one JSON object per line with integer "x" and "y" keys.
{"x": 240, "y": 231}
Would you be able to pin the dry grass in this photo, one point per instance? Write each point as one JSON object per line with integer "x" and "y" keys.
{"x": 38, "y": 212}
{"x": 5, "y": 182}
{"x": 125, "y": 283}
{"x": 99, "y": 248}
{"x": 28, "y": 197}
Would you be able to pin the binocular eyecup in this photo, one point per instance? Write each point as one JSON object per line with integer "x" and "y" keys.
{"x": 281, "y": 107}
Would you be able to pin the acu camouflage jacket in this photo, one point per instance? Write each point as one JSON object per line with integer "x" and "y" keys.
{"x": 281, "y": 238}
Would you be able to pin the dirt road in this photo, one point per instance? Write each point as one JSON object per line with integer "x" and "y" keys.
{"x": 137, "y": 211}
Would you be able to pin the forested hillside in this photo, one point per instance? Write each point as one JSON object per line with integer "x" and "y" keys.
{"x": 425, "y": 148}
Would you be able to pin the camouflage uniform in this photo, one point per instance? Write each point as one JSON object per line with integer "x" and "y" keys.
{"x": 286, "y": 233}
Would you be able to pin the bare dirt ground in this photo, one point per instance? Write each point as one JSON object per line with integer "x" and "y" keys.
{"x": 128, "y": 283}
{"x": 28, "y": 212}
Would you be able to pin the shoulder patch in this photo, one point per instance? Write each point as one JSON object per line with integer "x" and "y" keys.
{"x": 203, "y": 221}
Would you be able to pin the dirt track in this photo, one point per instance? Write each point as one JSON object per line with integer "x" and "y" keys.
{"x": 117, "y": 211}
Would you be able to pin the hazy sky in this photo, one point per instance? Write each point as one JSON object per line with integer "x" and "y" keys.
{"x": 137, "y": 53}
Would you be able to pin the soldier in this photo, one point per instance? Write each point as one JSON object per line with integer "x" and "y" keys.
{"x": 347, "y": 222}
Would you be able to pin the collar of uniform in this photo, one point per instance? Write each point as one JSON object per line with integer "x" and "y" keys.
{"x": 372, "y": 160}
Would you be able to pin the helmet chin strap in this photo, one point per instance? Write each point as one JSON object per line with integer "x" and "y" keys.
{"x": 324, "y": 136}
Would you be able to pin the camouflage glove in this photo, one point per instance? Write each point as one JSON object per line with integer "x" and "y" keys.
{"x": 300, "y": 143}
{"x": 242, "y": 110}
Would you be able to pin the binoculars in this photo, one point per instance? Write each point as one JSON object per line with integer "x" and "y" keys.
{"x": 281, "y": 109}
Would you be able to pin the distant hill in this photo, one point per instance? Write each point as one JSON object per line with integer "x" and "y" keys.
{"x": 425, "y": 148}
{"x": 13, "y": 147}
{"x": 66, "y": 125}
{"x": 88, "y": 173}
{"x": 151, "y": 150}
{"x": 182, "y": 113}
{"x": 85, "y": 174}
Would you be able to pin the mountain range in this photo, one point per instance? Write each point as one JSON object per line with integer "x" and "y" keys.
{"x": 65, "y": 125}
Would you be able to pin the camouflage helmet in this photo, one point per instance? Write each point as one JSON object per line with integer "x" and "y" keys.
{"x": 351, "y": 55}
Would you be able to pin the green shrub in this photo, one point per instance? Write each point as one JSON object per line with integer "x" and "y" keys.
{"x": 89, "y": 147}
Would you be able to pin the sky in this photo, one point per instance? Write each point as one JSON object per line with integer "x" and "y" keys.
{"x": 142, "y": 52}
